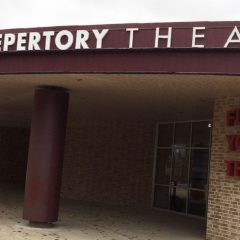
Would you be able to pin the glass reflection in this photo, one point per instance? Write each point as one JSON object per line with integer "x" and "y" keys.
{"x": 163, "y": 168}
{"x": 199, "y": 168}
{"x": 180, "y": 166}
{"x": 178, "y": 199}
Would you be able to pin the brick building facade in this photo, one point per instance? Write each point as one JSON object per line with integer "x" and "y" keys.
{"x": 224, "y": 191}
{"x": 117, "y": 85}
{"x": 109, "y": 162}
{"x": 104, "y": 164}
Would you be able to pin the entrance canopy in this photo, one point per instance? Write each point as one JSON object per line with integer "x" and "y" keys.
{"x": 158, "y": 71}
{"x": 129, "y": 73}
{"x": 197, "y": 47}
{"x": 147, "y": 97}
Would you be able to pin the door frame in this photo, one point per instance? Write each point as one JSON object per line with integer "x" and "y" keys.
{"x": 155, "y": 165}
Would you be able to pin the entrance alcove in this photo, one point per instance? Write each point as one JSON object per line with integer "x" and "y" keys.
{"x": 110, "y": 144}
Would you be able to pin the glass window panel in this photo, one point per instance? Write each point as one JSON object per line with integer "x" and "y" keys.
{"x": 172, "y": 167}
{"x": 201, "y": 134}
{"x": 178, "y": 199}
{"x": 165, "y": 135}
{"x": 161, "y": 197}
{"x": 182, "y": 134}
{"x": 199, "y": 168}
{"x": 180, "y": 166}
{"x": 197, "y": 203}
{"x": 163, "y": 168}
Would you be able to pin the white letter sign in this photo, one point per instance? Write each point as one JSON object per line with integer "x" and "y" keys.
{"x": 81, "y": 39}
{"x": 231, "y": 37}
{"x": 131, "y": 32}
{"x": 58, "y": 40}
{"x": 34, "y": 39}
{"x": 9, "y": 40}
{"x": 168, "y": 37}
{"x": 195, "y": 36}
{"x": 21, "y": 41}
{"x": 99, "y": 36}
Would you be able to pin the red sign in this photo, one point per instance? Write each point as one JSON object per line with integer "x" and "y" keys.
{"x": 233, "y": 142}
{"x": 233, "y": 168}
{"x": 233, "y": 119}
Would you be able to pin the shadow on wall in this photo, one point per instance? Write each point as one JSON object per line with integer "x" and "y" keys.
{"x": 13, "y": 155}
{"x": 109, "y": 162}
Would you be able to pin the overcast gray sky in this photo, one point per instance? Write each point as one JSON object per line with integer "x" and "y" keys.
{"x": 36, "y": 13}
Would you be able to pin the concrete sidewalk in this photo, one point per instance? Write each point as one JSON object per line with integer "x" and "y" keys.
{"x": 79, "y": 221}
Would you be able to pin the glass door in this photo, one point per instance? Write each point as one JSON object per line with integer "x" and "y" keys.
{"x": 181, "y": 169}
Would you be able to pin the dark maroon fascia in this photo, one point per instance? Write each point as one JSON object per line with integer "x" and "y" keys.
{"x": 162, "y": 61}
{"x": 181, "y": 59}
{"x": 216, "y": 34}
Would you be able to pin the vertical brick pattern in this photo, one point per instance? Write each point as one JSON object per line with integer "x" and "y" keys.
{"x": 109, "y": 162}
{"x": 224, "y": 192}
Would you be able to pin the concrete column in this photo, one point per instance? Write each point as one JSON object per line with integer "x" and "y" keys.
{"x": 45, "y": 156}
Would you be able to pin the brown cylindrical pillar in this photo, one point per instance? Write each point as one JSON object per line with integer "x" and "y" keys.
{"x": 45, "y": 157}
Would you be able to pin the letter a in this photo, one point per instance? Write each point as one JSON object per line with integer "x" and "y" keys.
{"x": 231, "y": 39}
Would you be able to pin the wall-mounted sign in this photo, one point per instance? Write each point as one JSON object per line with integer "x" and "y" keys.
{"x": 233, "y": 117}
{"x": 233, "y": 168}
{"x": 233, "y": 141}
{"x": 138, "y": 37}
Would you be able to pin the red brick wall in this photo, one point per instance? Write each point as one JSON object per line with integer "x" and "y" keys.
{"x": 224, "y": 191}
{"x": 109, "y": 162}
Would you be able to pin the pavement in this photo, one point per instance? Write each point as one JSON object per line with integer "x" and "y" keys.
{"x": 84, "y": 221}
